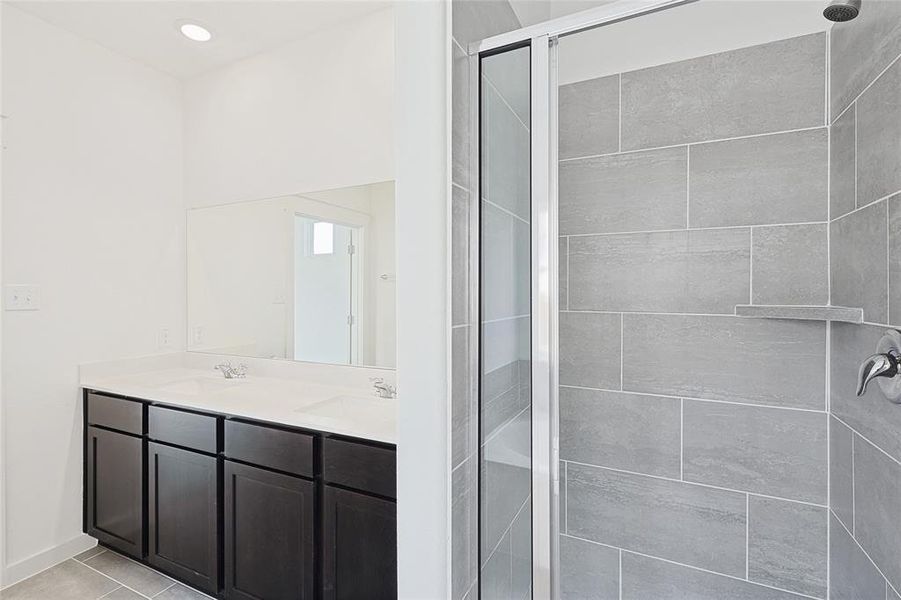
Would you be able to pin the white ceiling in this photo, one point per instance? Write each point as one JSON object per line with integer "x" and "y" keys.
{"x": 147, "y": 30}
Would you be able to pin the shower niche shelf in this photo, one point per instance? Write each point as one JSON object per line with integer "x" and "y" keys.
{"x": 844, "y": 314}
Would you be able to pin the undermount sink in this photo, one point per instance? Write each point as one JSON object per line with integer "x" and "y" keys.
{"x": 195, "y": 386}
{"x": 360, "y": 407}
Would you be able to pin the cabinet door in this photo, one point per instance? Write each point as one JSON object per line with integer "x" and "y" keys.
{"x": 359, "y": 546}
{"x": 183, "y": 515}
{"x": 114, "y": 510}
{"x": 268, "y": 535}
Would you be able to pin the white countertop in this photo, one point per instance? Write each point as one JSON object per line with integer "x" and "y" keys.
{"x": 322, "y": 403}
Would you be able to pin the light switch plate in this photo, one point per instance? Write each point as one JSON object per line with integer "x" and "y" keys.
{"x": 21, "y": 296}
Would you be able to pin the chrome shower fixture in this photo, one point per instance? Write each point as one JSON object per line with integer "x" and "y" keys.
{"x": 841, "y": 10}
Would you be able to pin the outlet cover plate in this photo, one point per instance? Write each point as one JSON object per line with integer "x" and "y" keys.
{"x": 21, "y": 296}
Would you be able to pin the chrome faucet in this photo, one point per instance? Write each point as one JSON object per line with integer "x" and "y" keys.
{"x": 230, "y": 372}
{"x": 884, "y": 365}
{"x": 382, "y": 389}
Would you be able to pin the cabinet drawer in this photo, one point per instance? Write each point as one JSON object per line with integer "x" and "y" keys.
{"x": 115, "y": 413}
{"x": 182, "y": 428}
{"x": 360, "y": 466}
{"x": 287, "y": 451}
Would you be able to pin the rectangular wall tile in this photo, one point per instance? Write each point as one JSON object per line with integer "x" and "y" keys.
{"x": 589, "y": 117}
{"x": 758, "y": 449}
{"x": 496, "y": 582}
{"x": 505, "y": 480}
{"x": 590, "y": 350}
{"x": 637, "y": 191}
{"x": 787, "y": 545}
{"x": 691, "y": 524}
{"x": 463, "y": 405}
{"x": 790, "y": 265}
{"x": 505, "y": 342}
{"x": 588, "y": 571}
{"x": 705, "y": 271}
{"x": 562, "y": 273}
{"x": 633, "y": 432}
{"x": 894, "y": 265}
{"x": 877, "y": 526}
{"x": 859, "y": 262}
{"x": 461, "y": 137}
{"x": 506, "y": 266}
{"x": 766, "y": 88}
{"x": 465, "y": 532}
{"x": 851, "y": 574}
{"x": 879, "y": 138}
{"x": 760, "y": 180}
{"x": 506, "y": 151}
{"x": 841, "y": 475}
{"x": 459, "y": 256}
{"x": 842, "y": 165}
{"x": 646, "y": 578}
{"x": 758, "y": 361}
{"x": 872, "y": 415}
{"x": 861, "y": 49}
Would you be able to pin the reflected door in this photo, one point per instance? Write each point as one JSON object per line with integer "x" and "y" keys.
{"x": 325, "y": 320}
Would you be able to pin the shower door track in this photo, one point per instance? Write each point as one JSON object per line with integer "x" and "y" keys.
{"x": 542, "y": 39}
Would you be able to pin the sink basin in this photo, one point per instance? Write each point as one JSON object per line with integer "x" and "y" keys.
{"x": 196, "y": 386}
{"x": 358, "y": 407}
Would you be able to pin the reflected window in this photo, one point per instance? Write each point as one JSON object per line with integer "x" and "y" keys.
{"x": 323, "y": 238}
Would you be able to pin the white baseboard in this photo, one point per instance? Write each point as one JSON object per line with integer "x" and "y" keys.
{"x": 36, "y": 563}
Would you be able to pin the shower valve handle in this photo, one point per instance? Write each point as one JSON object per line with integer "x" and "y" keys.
{"x": 878, "y": 365}
{"x": 884, "y": 366}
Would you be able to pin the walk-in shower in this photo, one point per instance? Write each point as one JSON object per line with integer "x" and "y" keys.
{"x": 676, "y": 229}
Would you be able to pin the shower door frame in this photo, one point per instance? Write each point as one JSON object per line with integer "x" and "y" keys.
{"x": 542, "y": 41}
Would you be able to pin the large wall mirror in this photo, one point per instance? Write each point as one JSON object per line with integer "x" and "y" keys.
{"x": 308, "y": 277}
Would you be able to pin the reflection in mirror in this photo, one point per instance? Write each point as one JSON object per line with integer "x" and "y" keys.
{"x": 303, "y": 277}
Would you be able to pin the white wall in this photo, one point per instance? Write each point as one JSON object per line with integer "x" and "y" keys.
{"x": 93, "y": 214}
{"x": 423, "y": 307}
{"x": 259, "y": 129}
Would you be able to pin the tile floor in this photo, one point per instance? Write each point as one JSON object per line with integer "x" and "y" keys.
{"x": 100, "y": 573}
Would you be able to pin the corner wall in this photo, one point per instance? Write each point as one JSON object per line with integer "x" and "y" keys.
{"x": 865, "y": 239}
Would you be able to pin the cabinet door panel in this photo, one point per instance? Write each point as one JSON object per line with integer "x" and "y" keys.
{"x": 268, "y": 535}
{"x": 183, "y": 515}
{"x": 359, "y": 546}
{"x": 115, "y": 507}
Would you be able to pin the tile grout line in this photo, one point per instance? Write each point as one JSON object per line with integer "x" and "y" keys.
{"x": 862, "y": 549}
{"x": 688, "y": 187}
{"x": 708, "y": 228}
{"x": 693, "y": 143}
{"x": 867, "y": 440}
{"x": 681, "y": 439}
{"x": 620, "y": 113}
{"x": 622, "y": 344}
{"x": 692, "y": 567}
{"x": 696, "y": 483}
{"x": 620, "y": 559}
{"x": 853, "y": 484}
{"x": 114, "y": 579}
{"x": 751, "y": 266}
{"x": 692, "y": 399}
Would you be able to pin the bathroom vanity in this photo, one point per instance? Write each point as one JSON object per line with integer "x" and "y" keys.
{"x": 185, "y": 478}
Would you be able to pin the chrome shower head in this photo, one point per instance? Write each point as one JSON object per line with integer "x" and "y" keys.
{"x": 842, "y": 10}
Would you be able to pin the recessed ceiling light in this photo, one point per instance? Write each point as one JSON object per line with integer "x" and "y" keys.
{"x": 195, "y": 32}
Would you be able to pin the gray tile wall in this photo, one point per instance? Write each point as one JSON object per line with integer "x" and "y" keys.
{"x": 473, "y": 20}
{"x": 695, "y": 443}
{"x": 865, "y": 232}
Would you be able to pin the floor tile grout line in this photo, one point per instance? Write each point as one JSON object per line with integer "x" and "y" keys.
{"x": 693, "y": 567}
{"x": 113, "y": 579}
{"x": 692, "y": 399}
{"x": 174, "y": 583}
{"x": 694, "y": 483}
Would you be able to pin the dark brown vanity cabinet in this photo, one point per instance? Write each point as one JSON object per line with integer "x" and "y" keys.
{"x": 359, "y": 546}
{"x": 114, "y": 489}
{"x": 240, "y": 509}
{"x": 183, "y": 515}
{"x": 269, "y": 534}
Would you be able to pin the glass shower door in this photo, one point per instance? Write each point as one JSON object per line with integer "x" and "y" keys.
{"x": 505, "y": 397}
